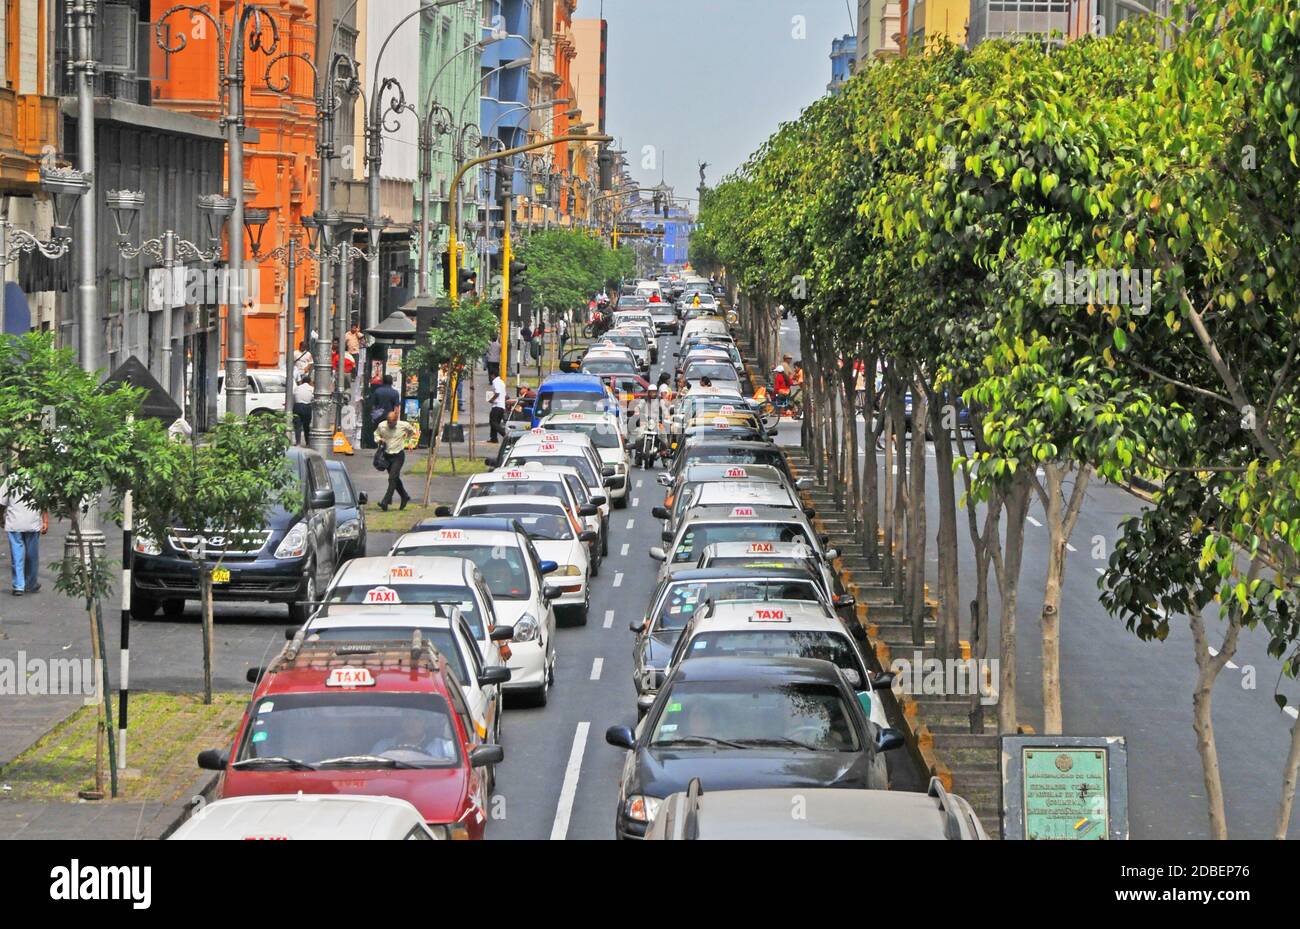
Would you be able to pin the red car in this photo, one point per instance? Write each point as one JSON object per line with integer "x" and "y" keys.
{"x": 626, "y": 387}
{"x": 378, "y": 719}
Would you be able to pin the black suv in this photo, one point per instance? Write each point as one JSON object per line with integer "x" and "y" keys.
{"x": 290, "y": 560}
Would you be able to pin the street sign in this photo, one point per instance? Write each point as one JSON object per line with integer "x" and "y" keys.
{"x": 157, "y": 403}
{"x": 1064, "y": 787}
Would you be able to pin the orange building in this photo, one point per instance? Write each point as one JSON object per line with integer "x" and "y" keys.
{"x": 281, "y": 169}
{"x": 565, "y": 52}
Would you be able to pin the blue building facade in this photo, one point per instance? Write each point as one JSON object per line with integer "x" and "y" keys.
{"x": 844, "y": 53}
{"x": 502, "y": 113}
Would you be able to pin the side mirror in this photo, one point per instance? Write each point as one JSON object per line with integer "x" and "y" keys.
{"x": 888, "y": 739}
{"x": 608, "y": 471}
{"x": 853, "y": 677}
{"x": 825, "y": 540}
{"x": 599, "y": 500}
{"x": 496, "y": 675}
{"x": 482, "y": 756}
{"x": 620, "y": 737}
{"x": 548, "y": 567}
{"x": 322, "y": 499}
{"x": 809, "y": 512}
{"x": 803, "y": 483}
{"x": 589, "y": 509}
{"x": 502, "y": 633}
{"x": 644, "y": 703}
{"x": 663, "y": 479}
{"x": 442, "y": 510}
{"x": 832, "y": 553}
{"x": 214, "y": 759}
{"x": 882, "y": 681}
{"x": 637, "y": 626}
{"x": 772, "y": 433}
{"x": 490, "y": 462}
{"x": 363, "y": 498}
{"x": 551, "y": 592}
{"x": 661, "y": 512}
{"x": 844, "y": 601}
{"x": 588, "y": 536}
{"x": 253, "y": 675}
{"x": 658, "y": 554}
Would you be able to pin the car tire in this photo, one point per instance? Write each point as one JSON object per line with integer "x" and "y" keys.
{"x": 595, "y": 565}
{"x": 173, "y": 609}
{"x": 299, "y": 614}
{"x": 604, "y": 540}
{"x": 143, "y": 607}
{"x": 620, "y": 503}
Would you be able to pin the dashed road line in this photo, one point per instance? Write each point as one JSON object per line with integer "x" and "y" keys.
{"x": 609, "y": 619}
{"x": 631, "y": 523}
{"x": 623, "y": 551}
{"x": 569, "y": 788}
{"x": 1070, "y": 548}
{"x": 638, "y": 483}
{"x": 1292, "y": 712}
{"x": 636, "y": 502}
{"x": 618, "y": 579}
{"x": 596, "y": 667}
{"x": 1215, "y": 653}
{"x": 1034, "y": 522}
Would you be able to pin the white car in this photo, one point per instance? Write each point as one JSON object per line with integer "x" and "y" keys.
{"x": 536, "y": 480}
{"x": 557, "y": 536}
{"x": 516, "y": 576}
{"x": 265, "y": 392}
{"x": 773, "y": 555}
{"x": 306, "y": 816}
{"x": 480, "y": 682}
{"x": 704, "y": 326}
{"x": 607, "y": 435}
{"x": 783, "y": 628}
{"x": 575, "y": 451}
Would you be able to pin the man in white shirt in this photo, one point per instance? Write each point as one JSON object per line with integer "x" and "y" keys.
{"x": 497, "y": 417}
{"x": 303, "y": 395}
{"x": 25, "y": 526}
{"x": 393, "y": 435}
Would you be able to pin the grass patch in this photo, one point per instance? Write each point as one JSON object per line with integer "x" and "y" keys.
{"x": 464, "y": 466}
{"x": 167, "y": 733}
{"x": 396, "y": 520}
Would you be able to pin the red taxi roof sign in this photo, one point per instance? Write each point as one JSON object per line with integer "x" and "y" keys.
{"x": 350, "y": 677}
{"x": 767, "y": 614}
{"x": 538, "y": 430}
{"x": 451, "y": 535}
{"x": 547, "y": 447}
{"x": 401, "y": 571}
{"x": 726, "y": 408}
{"x": 515, "y": 474}
{"x": 742, "y": 511}
{"x": 761, "y": 548}
{"x": 382, "y": 595}
{"x": 737, "y": 473}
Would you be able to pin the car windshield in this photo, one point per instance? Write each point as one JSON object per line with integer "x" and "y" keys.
{"x": 524, "y": 488}
{"x": 342, "y": 489}
{"x": 632, "y": 340}
{"x": 683, "y": 598}
{"x": 357, "y": 728}
{"x": 756, "y": 713}
{"x": 613, "y": 366}
{"x": 502, "y": 566}
{"x": 569, "y": 401}
{"x": 717, "y": 455}
{"x": 542, "y": 525}
{"x": 442, "y": 640}
{"x": 699, "y": 536}
{"x": 578, "y": 462}
{"x": 602, "y": 434}
{"x": 778, "y": 643}
{"x": 271, "y": 383}
{"x": 713, "y": 370}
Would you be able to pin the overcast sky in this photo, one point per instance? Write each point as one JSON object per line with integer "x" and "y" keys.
{"x": 710, "y": 80}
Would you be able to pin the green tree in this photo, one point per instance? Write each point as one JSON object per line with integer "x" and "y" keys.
{"x": 457, "y": 342}
{"x": 223, "y": 486}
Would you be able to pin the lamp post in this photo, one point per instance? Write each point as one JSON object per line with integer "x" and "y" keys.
{"x": 230, "y": 68}
{"x": 169, "y": 248}
{"x": 68, "y": 186}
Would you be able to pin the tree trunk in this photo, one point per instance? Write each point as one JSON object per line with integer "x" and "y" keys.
{"x": 947, "y": 635}
{"x": 1288, "y": 785}
{"x": 900, "y": 490}
{"x": 887, "y": 573}
{"x": 1007, "y": 570}
{"x": 870, "y": 495}
{"x": 1207, "y": 672}
{"x": 205, "y": 595}
{"x": 1061, "y": 517}
{"x": 917, "y": 518}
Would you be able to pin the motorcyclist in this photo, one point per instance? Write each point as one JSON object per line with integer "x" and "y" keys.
{"x": 651, "y": 417}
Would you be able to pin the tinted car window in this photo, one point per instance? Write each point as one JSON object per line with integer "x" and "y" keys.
{"x": 701, "y": 535}
{"x": 757, "y": 712}
{"x": 502, "y": 566}
{"x": 684, "y": 598}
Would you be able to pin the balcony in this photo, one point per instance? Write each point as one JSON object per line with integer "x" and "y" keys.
{"x": 28, "y": 124}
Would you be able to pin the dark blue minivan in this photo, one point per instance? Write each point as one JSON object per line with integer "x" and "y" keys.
{"x": 572, "y": 393}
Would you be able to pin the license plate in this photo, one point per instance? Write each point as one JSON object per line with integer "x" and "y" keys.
{"x": 221, "y": 575}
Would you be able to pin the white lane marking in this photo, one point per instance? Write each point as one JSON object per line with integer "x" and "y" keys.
{"x": 631, "y": 523}
{"x": 638, "y": 483}
{"x": 623, "y": 551}
{"x": 569, "y": 788}
{"x": 1034, "y": 522}
{"x": 609, "y": 619}
{"x": 1292, "y": 712}
{"x": 1100, "y": 570}
{"x": 618, "y": 579}
{"x": 1070, "y": 548}
{"x": 636, "y": 502}
{"x": 596, "y": 666}
{"x": 1215, "y": 653}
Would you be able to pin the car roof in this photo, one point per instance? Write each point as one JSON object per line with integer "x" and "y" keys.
{"x": 529, "y": 471}
{"x": 550, "y": 503}
{"x": 710, "y": 471}
{"x": 725, "y": 512}
{"x": 826, "y": 813}
{"x": 578, "y": 417}
{"x": 473, "y": 534}
{"x": 778, "y": 668}
{"x": 424, "y": 569}
{"x": 736, "y": 446}
{"x": 469, "y": 523}
{"x": 304, "y": 667}
{"x": 750, "y": 615}
{"x": 734, "y": 573}
{"x": 585, "y": 382}
{"x": 302, "y": 816}
{"x": 724, "y": 492}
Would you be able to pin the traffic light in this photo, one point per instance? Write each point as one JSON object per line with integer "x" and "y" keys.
{"x": 605, "y": 161}
{"x": 468, "y": 280}
{"x": 517, "y": 286}
{"x": 446, "y": 271}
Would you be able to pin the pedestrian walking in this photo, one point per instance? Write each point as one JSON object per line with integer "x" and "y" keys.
{"x": 303, "y": 395}
{"x": 384, "y": 400}
{"x": 391, "y": 436}
{"x": 492, "y": 358}
{"x": 24, "y": 526}
{"x": 497, "y": 415}
{"x": 303, "y": 361}
{"x": 563, "y": 331}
